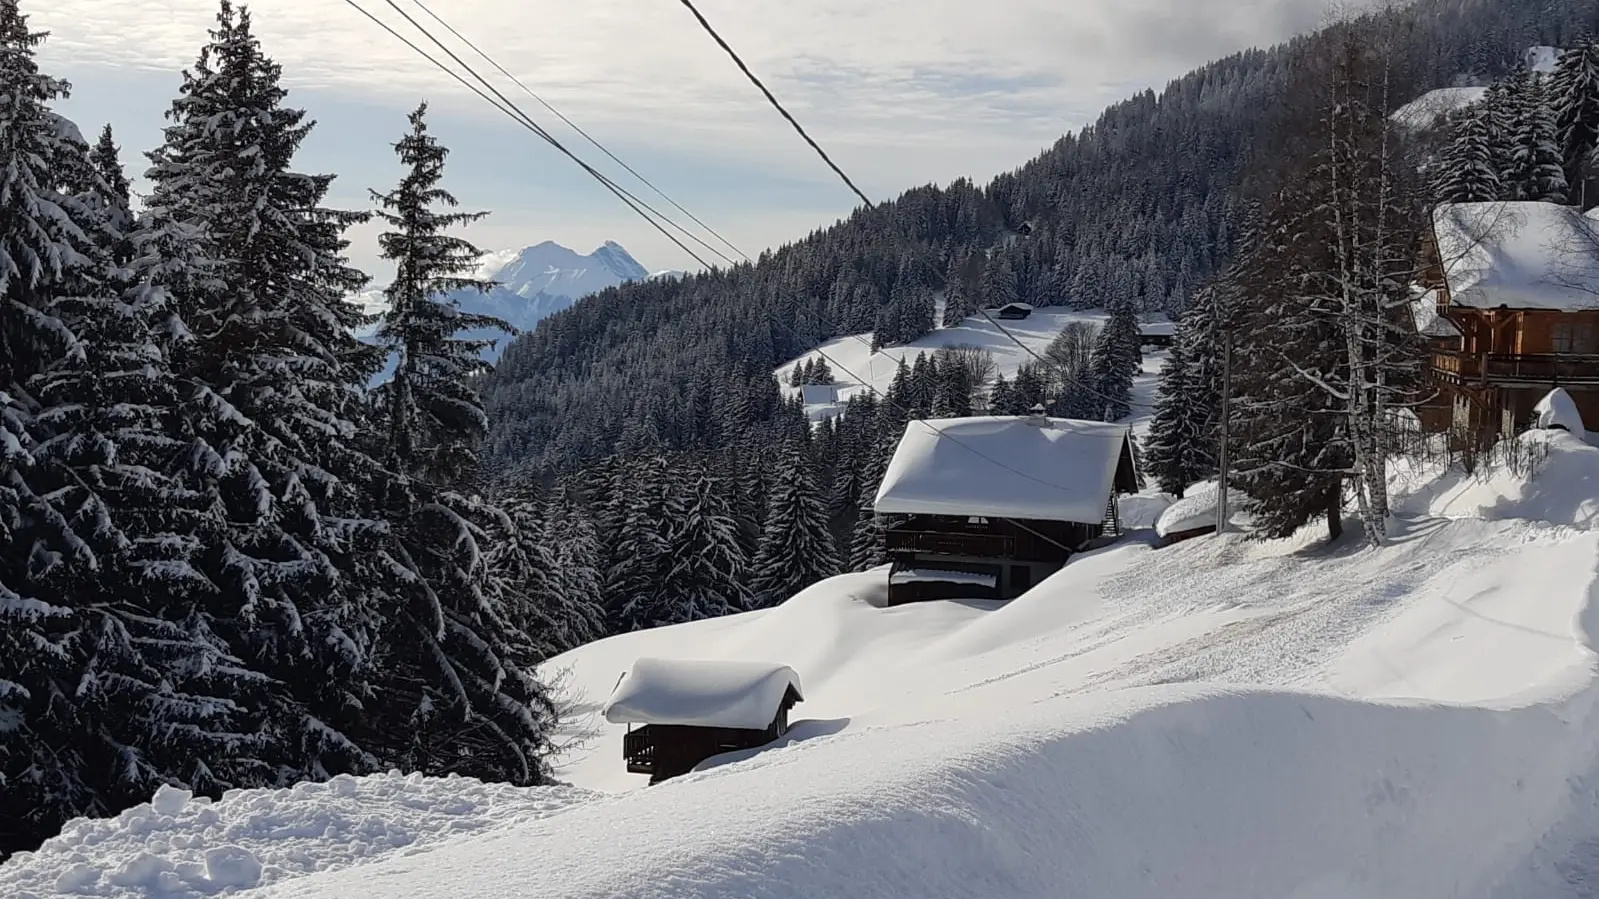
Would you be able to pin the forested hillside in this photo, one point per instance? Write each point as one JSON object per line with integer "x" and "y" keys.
{"x": 1141, "y": 207}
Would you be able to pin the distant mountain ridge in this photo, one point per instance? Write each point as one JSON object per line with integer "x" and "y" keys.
{"x": 532, "y": 284}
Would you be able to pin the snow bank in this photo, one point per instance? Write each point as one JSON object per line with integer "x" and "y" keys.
{"x": 1197, "y": 509}
{"x": 179, "y": 847}
{"x": 1562, "y": 487}
{"x": 1428, "y": 109}
{"x": 1558, "y": 410}
{"x": 702, "y": 693}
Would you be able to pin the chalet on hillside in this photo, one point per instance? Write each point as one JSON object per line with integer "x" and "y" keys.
{"x": 818, "y": 394}
{"x": 1513, "y": 291}
{"x": 1159, "y": 333}
{"x": 984, "y": 508}
{"x": 1013, "y": 311}
{"x": 691, "y": 710}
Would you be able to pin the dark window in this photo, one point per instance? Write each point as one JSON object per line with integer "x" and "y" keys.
{"x": 1021, "y": 578}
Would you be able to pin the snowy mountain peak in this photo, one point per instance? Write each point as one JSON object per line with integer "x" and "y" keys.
{"x": 551, "y": 270}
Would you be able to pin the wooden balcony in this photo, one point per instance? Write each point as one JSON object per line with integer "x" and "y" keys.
{"x": 1514, "y": 368}
{"x": 988, "y": 546}
{"x": 638, "y": 748}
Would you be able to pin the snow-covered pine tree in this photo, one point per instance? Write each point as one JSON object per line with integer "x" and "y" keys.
{"x": 43, "y": 561}
{"x": 1115, "y": 360}
{"x": 1002, "y": 398}
{"x": 1501, "y": 108}
{"x": 464, "y": 695}
{"x": 796, "y": 546}
{"x": 1175, "y": 436}
{"x": 642, "y": 554}
{"x": 707, "y": 571}
{"x": 1469, "y": 171}
{"x": 867, "y": 546}
{"x": 1574, "y": 96}
{"x": 952, "y": 398}
{"x": 577, "y": 565}
{"x": 272, "y": 383}
{"x": 1537, "y": 171}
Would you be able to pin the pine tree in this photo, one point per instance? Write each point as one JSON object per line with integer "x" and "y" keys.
{"x": 1574, "y": 95}
{"x": 466, "y": 688}
{"x": 707, "y": 566}
{"x": 1175, "y": 448}
{"x": 43, "y": 560}
{"x": 953, "y": 396}
{"x": 1469, "y": 171}
{"x": 1537, "y": 171}
{"x": 577, "y": 567}
{"x": 796, "y": 547}
{"x": 1115, "y": 360}
{"x": 642, "y": 553}
{"x": 867, "y": 546}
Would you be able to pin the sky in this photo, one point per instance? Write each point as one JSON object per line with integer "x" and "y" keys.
{"x": 900, "y": 92}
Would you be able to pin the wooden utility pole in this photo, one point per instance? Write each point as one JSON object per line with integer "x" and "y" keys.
{"x": 1222, "y": 514}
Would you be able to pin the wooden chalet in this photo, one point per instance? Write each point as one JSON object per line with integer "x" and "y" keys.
{"x": 1013, "y": 311}
{"x": 984, "y": 508}
{"x": 1509, "y": 310}
{"x": 1161, "y": 333}
{"x": 687, "y": 711}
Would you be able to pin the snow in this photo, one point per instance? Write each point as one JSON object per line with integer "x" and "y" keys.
{"x": 179, "y": 847}
{"x": 1197, "y": 509}
{"x": 1523, "y": 255}
{"x": 1558, "y": 410}
{"x": 701, "y": 693}
{"x": 1542, "y": 60}
{"x": 1429, "y": 108}
{"x": 930, "y": 576}
{"x": 1055, "y": 469}
{"x": 819, "y": 394}
{"x": 1217, "y": 719}
{"x": 1429, "y": 323}
{"x": 859, "y": 370}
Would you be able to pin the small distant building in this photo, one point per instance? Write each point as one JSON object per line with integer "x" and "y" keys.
{"x": 1514, "y": 290}
{"x": 1013, "y": 311}
{"x": 1195, "y": 514}
{"x": 985, "y": 508}
{"x": 1159, "y": 333}
{"x": 819, "y": 394}
{"x": 691, "y": 710}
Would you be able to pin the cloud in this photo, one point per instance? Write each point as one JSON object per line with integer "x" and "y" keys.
{"x": 900, "y": 92}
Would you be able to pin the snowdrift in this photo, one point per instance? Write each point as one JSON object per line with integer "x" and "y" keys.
{"x": 180, "y": 847}
{"x": 1218, "y": 718}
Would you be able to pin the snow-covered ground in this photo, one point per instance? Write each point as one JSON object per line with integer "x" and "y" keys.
{"x": 856, "y": 369}
{"x": 1219, "y": 718}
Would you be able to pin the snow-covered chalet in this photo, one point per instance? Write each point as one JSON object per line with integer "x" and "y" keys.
{"x": 984, "y": 508}
{"x": 1510, "y": 310}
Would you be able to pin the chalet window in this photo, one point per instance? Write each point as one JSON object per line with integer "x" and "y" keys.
{"x": 1572, "y": 338}
{"x": 975, "y": 519}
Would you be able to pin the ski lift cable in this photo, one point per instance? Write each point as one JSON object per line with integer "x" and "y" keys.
{"x": 529, "y": 124}
{"x": 550, "y": 139}
{"x": 574, "y": 126}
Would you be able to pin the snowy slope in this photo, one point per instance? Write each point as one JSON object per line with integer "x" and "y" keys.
{"x": 857, "y": 369}
{"x": 1429, "y": 108}
{"x": 1219, "y": 719}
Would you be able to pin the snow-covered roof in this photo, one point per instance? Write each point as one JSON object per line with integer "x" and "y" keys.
{"x": 1427, "y": 109}
{"x": 1558, "y": 410}
{"x": 1197, "y": 509}
{"x": 1017, "y": 305}
{"x": 1161, "y": 326}
{"x": 1521, "y": 255}
{"x": 1428, "y": 322}
{"x": 700, "y": 693}
{"x": 1057, "y": 469}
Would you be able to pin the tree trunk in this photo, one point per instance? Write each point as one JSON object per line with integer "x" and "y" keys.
{"x": 1335, "y": 515}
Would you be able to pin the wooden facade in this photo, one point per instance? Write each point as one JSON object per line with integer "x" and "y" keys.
{"x": 665, "y": 751}
{"x": 1017, "y": 554}
{"x": 1486, "y": 381}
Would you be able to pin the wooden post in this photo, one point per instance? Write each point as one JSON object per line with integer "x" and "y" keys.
{"x": 1226, "y": 431}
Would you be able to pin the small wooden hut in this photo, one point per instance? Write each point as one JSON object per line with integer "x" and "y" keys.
{"x": 690, "y": 710}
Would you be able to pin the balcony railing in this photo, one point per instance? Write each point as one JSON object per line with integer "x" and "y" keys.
{"x": 997, "y": 546}
{"x": 1537, "y": 368}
